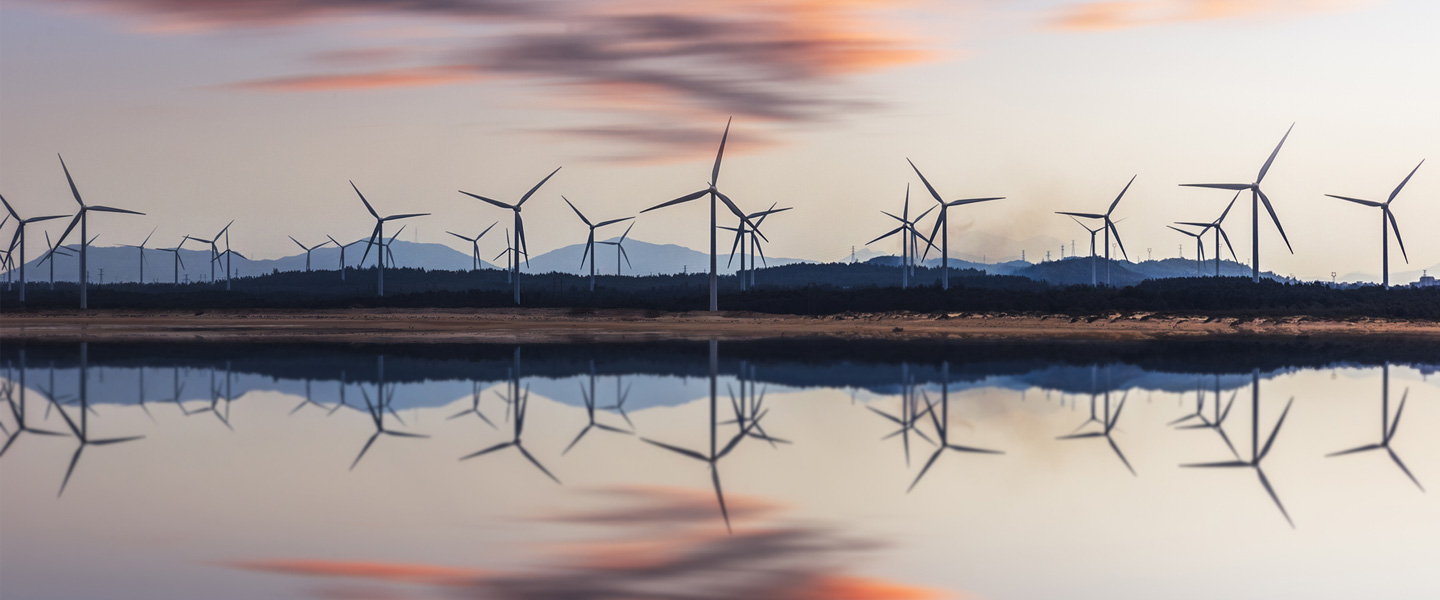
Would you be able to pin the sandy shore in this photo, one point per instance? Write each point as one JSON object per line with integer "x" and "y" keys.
{"x": 559, "y": 325}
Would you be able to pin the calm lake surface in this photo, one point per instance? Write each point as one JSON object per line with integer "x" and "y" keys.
{"x": 762, "y": 469}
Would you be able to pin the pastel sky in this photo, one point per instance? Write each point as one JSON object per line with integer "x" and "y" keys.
{"x": 200, "y": 111}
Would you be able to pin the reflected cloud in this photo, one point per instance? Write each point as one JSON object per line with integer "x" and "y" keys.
{"x": 1132, "y": 14}
{"x": 779, "y": 562}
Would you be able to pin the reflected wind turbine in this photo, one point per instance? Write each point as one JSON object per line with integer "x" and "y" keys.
{"x": 942, "y": 426}
{"x": 520, "y": 399}
{"x": 1257, "y": 452}
{"x": 82, "y": 430}
{"x": 589, "y": 398}
{"x": 1387, "y": 428}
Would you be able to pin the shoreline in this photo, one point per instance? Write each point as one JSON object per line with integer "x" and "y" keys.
{"x": 571, "y": 325}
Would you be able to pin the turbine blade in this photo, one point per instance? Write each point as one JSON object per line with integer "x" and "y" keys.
{"x": 1122, "y": 195}
{"x": 577, "y": 211}
{"x": 972, "y": 201}
{"x": 1357, "y": 200}
{"x": 366, "y": 202}
{"x": 892, "y": 232}
{"x": 404, "y": 216}
{"x": 1270, "y": 160}
{"x": 1081, "y": 215}
{"x": 1402, "y": 185}
{"x": 76, "y": 192}
{"x": 114, "y": 210}
{"x": 532, "y": 193}
{"x": 680, "y": 200}
{"x": 1219, "y": 186}
{"x": 925, "y": 469}
{"x": 934, "y": 194}
{"x": 1396, "y": 228}
{"x": 1266, "y": 482}
{"x": 612, "y": 221}
{"x": 1116, "y": 232}
{"x": 1271, "y": 441}
{"x": 1266, "y": 201}
{"x": 690, "y": 453}
{"x": 715, "y": 171}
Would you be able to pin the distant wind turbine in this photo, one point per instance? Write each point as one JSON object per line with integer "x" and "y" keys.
{"x": 342, "y": 248}
{"x": 908, "y": 233}
{"x": 141, "y": 248}
{"x": 1109, "y": 227}
{"x": 742, "y": 235}
{"x": 178, "y": 261}
{"x": 475, "y": 245}
{"x": 1093, "y": 233}
{"x": 520, "y": 244}
{"x": 590, "y": 241}
{"x": 1387, "y": 222}
{"x": 714, "y": 193}
{"x": 50, "y": 251}
{"x": 1219, "y": 232}
{"x": 1199, "y": 247}
{"x": 1256, "y": 198}
{"x": 308, "y": 250}
{"x": 510, "y": 258}
{"x": 19, "y": 239}
{"x": 379, "y": 233}
{"x": 942, "y": 223}
{"x": 81, "y": 218}
{"x": 619, "y": 245}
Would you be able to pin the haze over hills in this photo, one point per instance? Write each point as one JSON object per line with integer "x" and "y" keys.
{"x": 120, "y": 264}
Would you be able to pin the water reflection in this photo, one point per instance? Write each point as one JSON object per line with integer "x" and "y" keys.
{"x": 810, "y": 431}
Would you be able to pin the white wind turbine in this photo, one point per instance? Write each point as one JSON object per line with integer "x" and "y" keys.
{"x": 81, "y": 219}
{"x": 1257, "y": 197}
{"x": 520, "y": 244}
{"x": 590, "y": 241}
{"x": 714, "y": 193}
{"x": 942, "y": 223}
{"x": 1387, "y": 222}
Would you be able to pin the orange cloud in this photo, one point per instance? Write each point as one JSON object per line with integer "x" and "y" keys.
{"x": 1112, "y": 15}
{"x": 391, "y": 78}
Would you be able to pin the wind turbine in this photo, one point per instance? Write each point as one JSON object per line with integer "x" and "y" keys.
{"x": 17, "y": 409}
{"x": 510, "y": 258}
{"x": 908, "y": 233}
{"x": 81, "y": 218}
{"x": 520, "y": 245}
{"x": 226, "y": 254}
{"x": 475, "y": 245}
{"x": 178, "y": 261}
{"x": 82, "y": 430}
{"x": 741, "y": 236}
{"x": 1109, "y": 226}
{"x": 342, "y": 248}
{"x": 1199, "y": 247}
{"x": 1257, "y": 452}
{"x": 1219, "y": 232}
{"x": 714, "y": 193}
{"x": 1256, "y": 198}
{"x": 1093, "y": 233}
{"x": 942, "y": 223}
{"x": 1108, "y": 423}
{"x": 379, "y": 233}
{"x": 1387, "y": 427}
{"x": 1385, "y": 216}
{"x": 19, "y": 238}
{"x": 590, "y": 242}
{"x": 141, "y": 248}
{"x": 308, "y": 250}
{"x": 619, "y": 245}
{"x": 50, "y": 251}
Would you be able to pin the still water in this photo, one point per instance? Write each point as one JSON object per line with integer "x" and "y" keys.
{"x": 781, "y": 469}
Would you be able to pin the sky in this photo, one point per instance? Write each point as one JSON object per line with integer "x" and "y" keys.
{"x": 197, "y": 112}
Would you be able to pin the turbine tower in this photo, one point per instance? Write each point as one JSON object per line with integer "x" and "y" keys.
{"x": 619, "y": 245}
{"x": 1256, "y": 198}
{"x": 307, "y": 249}
{"x": 590, "y": 241}
{"x": 942, "y": 224}
{"x": 714, "y": 193}
{"x": 475, "y": 245}
{"x": 81, "y": 218}
{"x": 19, "y": 239}
{"x": 379, "y": 233}
{"x": 1109, "y": 227}
{"x": 1387, "y": 222}
{"x": 520, "y": 245}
